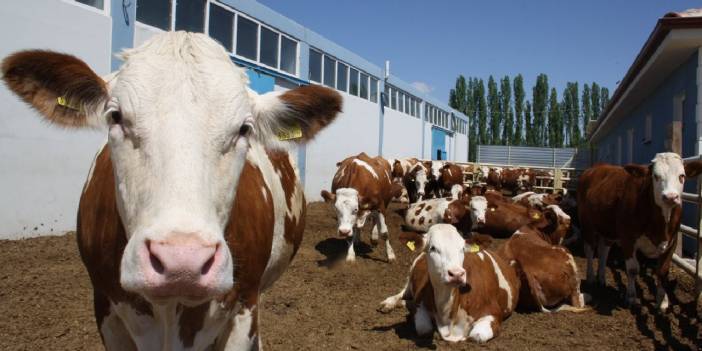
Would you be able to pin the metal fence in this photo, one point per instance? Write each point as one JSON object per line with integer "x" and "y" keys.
{"x": 694, "y": 270}
{"x": 534, "y": 157}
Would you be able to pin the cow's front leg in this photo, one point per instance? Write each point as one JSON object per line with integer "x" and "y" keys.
{"x": 602, "y": 253}
{"x": 375, "y": 230}
{"x": 632, "y": 271}
{"x": 384, "y": 233}
{"x": 242, "y": 333}
{"x": 662, "y": 271}
{"x": 350, "y": 253}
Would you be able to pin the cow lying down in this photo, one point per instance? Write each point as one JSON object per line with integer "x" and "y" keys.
{"x": 465, "y": 291}
{"x": 422, "y": 215}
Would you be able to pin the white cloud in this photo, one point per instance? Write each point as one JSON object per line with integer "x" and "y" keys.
{"x": 423, "y": 87}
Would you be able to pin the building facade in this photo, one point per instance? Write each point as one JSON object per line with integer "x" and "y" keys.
{"x": 42, "y": 169}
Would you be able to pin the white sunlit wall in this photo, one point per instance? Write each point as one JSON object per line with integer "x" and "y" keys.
{"x": 48, "y": 166}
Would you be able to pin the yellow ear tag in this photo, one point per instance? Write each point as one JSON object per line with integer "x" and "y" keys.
{"x": 410, "y": 245}
{"x": 536, "y": 215}
{"x": 474, "y": 248}
{"x": 293, "y": 131}
{"x": 61, "y": 100}
{"x": 492, "y": 209}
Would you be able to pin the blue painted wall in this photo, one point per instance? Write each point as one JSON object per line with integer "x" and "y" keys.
{"x": 438, "y": 144}
{"x": 660, "y": 105}
{"x": 123, "y": 18}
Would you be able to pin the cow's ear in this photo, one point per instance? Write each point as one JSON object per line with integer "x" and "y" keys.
{"x": 637, "y": 170}
{"x": 61, "y": 87}
{"x": 296, "y": 115}
{"x": 693, "y": 169}
{"x": 328, "y": 197}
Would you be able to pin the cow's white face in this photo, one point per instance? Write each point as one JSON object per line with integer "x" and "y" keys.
{"x": 668, "y": 173}
{"x": 445, "y": 253}
{"x": 181, "y": 122}
{"x": 478, "y": 208}
{"x": 346, "y": 205}
{"x": 436, "y": 169}
{"x": 421, "y": 180}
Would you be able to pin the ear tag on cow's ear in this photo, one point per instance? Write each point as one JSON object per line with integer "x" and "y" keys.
{"x": 492, "y": 209}
{"x": 473, "y": 248}
{"x": 293, "y": 131}
{"x": 535, "y": 215}
{"x": 61, "y": 100}
{"x": 410, "y": 245}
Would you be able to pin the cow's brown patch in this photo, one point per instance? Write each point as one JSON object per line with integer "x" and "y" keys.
{"x": 430, "y": 221}
{"x": 417, "y": 212}
{"x": 429, "y": 208}
{"x": 421, "y": 220}
{"x": 294, "y": 226}
{"x": 412, "y": 221}
{"x": 190, "y": 322}
{"x": 312, "y": 107}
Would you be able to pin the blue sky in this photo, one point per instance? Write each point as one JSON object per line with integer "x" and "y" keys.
{"x": 433, "y": 42}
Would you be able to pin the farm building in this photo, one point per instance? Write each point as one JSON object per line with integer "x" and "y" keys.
{"x": 44, "y": 168}
{"x": 657, "y": 106}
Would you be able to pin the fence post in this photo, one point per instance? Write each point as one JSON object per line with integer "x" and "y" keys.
{"x": 509, "y": 155}
{"x": 478, "y": 157}
{"x": 698, "y": 261}
{"x": 554, "y": 157}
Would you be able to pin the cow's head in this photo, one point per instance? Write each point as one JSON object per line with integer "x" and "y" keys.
{"x": 397, "y": 170}
{"x": 475, "y": 206}
{"x": 558, "y": 224}
{"x": 444, "y": 248}
{"x": 418, "y": 175}
{"x": 668, "y": 174}
{"x": 435, "y": 167}
{"x": 349, "y": 207}
{"x": 181, "y": 123}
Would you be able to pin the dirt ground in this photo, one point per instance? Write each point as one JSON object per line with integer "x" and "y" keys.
{"x": 325, "y": 304}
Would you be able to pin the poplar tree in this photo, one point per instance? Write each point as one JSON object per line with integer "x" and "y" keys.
{"x": 518, "y": 138}
{"x": 540, "y": 100}
{"x": 507, "y": 113}
{"x": 495, "y": 115}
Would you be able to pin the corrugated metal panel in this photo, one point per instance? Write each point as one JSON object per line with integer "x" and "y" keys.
{"x": 533, "y": 156}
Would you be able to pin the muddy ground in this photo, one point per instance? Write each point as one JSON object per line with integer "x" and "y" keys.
{"x": 323, "y": 304}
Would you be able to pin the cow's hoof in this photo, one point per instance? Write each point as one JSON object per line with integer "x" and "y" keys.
{"x": 391, "y": 259}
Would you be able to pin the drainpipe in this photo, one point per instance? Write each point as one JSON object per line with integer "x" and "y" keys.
{"x": 381, "y": 108}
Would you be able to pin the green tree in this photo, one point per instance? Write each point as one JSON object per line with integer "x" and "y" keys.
{"x": 529, "y": 125}
{"x": 604, "y": 98}
{"x": 518, "y": 138}
{"x": 575, "y": 134}
{"x": 565, "y": 113}
{"x": 472, "y": 114}
{"x": 506, "y": 109}
{"x": 587, "y": 108}
{"x": 555, "y": 124}
{"x": 540, "y": 99}
{"x": 596, "y": 104}
{"x": 481, "y": 106}
{"x": 495, "y": 114}
{"x": 458, "y": 98}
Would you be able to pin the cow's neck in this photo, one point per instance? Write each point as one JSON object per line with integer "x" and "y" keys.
{"x": 443, "y": 301}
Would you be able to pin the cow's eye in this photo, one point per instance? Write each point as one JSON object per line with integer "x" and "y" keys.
{"x": 433, "y": 249}
{"x": 116, "y": 117}
{"x": 682, "y": 178}
{"x": 657, "y": 178}
{"x": 354, "y": 211}
{"x": 245, "y": 129}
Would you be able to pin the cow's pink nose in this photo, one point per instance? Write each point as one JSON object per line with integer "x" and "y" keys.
{"x": 182, "y": 265}
{"x": 457, "y": 275}
{"x": 344, "y": 232}
{"x": 671, "y": 198}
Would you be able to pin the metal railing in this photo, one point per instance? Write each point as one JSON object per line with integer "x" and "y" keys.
{"x": 557, "y": 180}
{"x": 694, "y": 270}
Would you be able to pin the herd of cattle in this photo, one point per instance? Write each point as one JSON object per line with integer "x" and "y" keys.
{"x": 466, "y": 290}
{"x": 193, "y": 207}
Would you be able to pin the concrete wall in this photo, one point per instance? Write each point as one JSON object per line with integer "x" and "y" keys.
{"x": 42, "y": 168}
{"x": 402, "y": 135}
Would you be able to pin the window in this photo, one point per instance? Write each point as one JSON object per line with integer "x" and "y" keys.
{"x": 288, "y": 55}
{"x": 246, "y": 38}
{"x": 619, "y": 150}
{"x": 221, "y": 26}
{"x": 364, "y": 85}
{"x": 99, "y": 4}
{"x": 630, "y": 146}
{"x": 190, "y": 15}
{"x": 386, "y": 97}
{"x": 315, "y": 73}
{"x": 269, "y": 47}
{"x": 412, "y": 105}
{"x": 393, "y": 98}
{"x": 373, "y": 90}
{"x": 329, "y": 68}
{"x": 341, "y": 74}
{"x": 353, "y": 82}
{"x": 408, "y": 109}
{"x": 155, "y": 13}
{"x": 648, "y": 129}
{"x": 401, "y": 101}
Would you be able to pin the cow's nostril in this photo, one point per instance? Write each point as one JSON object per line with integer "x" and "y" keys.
{"x": 208, "y": 264}
{"x": 156, "y": 264}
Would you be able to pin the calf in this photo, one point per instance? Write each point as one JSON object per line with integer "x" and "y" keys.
{"x": 193, "y": 207}
{"x": 639, "y": 207}
{"x": 450, "y": 175}
{"x": 434, "y": 188}
{"x": 423, "y": 214}
{"x": 548, "y": 274}
{"x": 537, "y": 201}
{"x": 415, "y": 181}
{"x": 504, "y": 218}
{"x": 467, "y": 213}
{"x": 465, "y": 294}
{"x": 362, "y": 187}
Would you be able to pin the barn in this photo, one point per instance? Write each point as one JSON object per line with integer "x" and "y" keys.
{"x": 658, "y": 104}
{"x": 382, "y": 115}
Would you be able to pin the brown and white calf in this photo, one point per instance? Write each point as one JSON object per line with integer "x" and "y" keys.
{"x": 422, "y": 215}
{"x": 450, "y": 176}
{"x": 538, "y": 201}
{"x": 638, "y": 207}
{"x": 433, "y": 168}
{"x": 466, "y": 213}
{"x": 194, "y": 207}
{"x": 548, "y": 274}
{"x": 465, "y": 294}
{"x": 362, "y": 187}
{"x": 415, "y": 182}
{"x": 401, "y": 167}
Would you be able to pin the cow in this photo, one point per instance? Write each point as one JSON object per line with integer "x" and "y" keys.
{"x": 193, "y": 207}
{"x": 466, "y": 293}
{"x": 639, "y": 207}
{"x": 537, "y": 201}
{"x": 362, "y": 187}
{"x": 401, "y": 167}
{"x": 503, "y": 218}
{"x": 422, "y": 215}
{"x": 450, "y": 175}
{"x": 548, "y": 274}
{"x": 415, "y": 182}
{"x": 494, "y": 178}
{"x": 467, "y": 213}
{"x": 433, "y": 168}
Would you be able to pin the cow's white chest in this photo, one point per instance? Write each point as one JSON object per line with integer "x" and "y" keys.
{"x": 451, "y": 328}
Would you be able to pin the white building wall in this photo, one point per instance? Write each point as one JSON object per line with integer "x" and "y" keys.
{"x": 355, "y": 130}
{"x": 143, "y": 32}
{"x": 460, "y": 148}
{"x": 402, "y": 135}
{"x": 42, "y": 168}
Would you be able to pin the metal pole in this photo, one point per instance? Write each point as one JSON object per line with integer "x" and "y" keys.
{"x": 698, "y": 265}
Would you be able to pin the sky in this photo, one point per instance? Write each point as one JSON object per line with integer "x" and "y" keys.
{"x": 429, "y": 43}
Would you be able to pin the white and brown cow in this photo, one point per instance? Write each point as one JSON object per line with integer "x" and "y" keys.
{"x": 465, "y": 293}
{"x": 362, "y": 187}
{"x": 638, "y": 207}
{"x": 193, "y": 208}
{"x": 537, "y": 200}
{"x": 416, "y": 182}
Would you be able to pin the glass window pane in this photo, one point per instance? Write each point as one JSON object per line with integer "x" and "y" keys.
{"x": 386, "y": 99}
{"x": 329, "y": 68}
{"x": 412, "y": 107}
{"x": 407, "y": 104}
{"x": 315, "y": 73}
{"x": 221, "y": 26}
{"x": 190, "y": 15}
{"x": 288, "y": 55}
{"x": 401, "y": 102}
{"x": 393, "y": 98}
{"x": 155, "y": 13}
{"x": 353, "y": 82}
{"x": 269, "y": 47}
{"x": 246, "y": 38}
{"x": 364, "y": 85}
{"x": 94, "y": 3}
{"x": 341, "y": 76}
{"x": 373, "y": 90}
